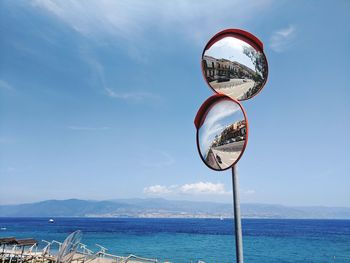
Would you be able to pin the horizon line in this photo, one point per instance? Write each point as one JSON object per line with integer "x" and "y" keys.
{"x": 171, "y": 200}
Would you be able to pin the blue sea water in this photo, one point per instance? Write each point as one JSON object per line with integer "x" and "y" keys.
{"x": 190, "y": 240}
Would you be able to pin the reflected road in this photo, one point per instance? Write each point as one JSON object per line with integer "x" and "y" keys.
{"x": 224, "y": 156}
{"x": 235, "y": 88}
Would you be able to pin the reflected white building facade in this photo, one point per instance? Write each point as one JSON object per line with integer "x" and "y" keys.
{"x": 224, "y": 69}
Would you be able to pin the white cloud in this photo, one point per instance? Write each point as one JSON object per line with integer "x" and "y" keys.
{"x": 200, "y": 188}
{"x": 84, "y": 128}
{"x": 156, "y": 190}
{"x": 204, "y": 188}
{"x": 283, "y": 38}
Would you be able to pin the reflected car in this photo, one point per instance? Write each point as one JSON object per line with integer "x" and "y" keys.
{"x": 223, "y": 79}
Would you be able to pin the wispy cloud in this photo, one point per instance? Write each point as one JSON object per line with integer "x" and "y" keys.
{"x": 6, "y": 140}
{"x": 5, "y": 85}
{"x": 283, "y": 38}
{"x": 248, "y": 191}
{"x": 7, "y": 170}
{"x": 158, "y": 159}
{"x": 98, "y": 72}
{"x": 130, "y": 25}
{"x": 130, "y": 20}
{"x": 199, "y": 188}
{"x": 132, "y": 96}
{"x": 85, "y": 128}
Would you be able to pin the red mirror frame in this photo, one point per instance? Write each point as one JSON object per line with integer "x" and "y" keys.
{"x": 201, "y": 115}
{"x": 244, "y": 36}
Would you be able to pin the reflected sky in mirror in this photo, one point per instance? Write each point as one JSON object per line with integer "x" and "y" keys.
{"x": 222, "y": 135}
{"x": 232, "y": 49}
{"x": 234, "y": 68}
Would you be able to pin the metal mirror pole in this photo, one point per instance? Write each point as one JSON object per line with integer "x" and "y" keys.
{"x": 237, "y": 215}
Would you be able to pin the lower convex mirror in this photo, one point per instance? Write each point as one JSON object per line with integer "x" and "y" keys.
{"x": 222, "y": 132}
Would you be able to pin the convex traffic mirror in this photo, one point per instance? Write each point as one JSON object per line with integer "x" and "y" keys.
{"x": 222, "y": 132}
{"x": 234, "y": 64}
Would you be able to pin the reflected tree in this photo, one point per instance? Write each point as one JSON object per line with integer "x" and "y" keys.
{"x": 258, "y": 61}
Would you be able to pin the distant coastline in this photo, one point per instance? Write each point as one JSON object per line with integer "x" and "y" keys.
{"x": 162, "y": 208}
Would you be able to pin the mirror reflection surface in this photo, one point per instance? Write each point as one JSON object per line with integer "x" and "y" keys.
{"x": 223, "y": 134}
{"x": 234, "y": 68}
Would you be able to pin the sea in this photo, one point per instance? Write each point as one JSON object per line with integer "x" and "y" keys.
{"x": 191, "y": 240}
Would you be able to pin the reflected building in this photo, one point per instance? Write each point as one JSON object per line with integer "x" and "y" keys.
{"x": 234, "y": 132}
{"x": 226, "y": 146}
{"x": 224, "y": 69}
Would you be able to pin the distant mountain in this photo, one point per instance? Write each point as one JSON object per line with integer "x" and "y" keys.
{"x": 70, "y": 207}
{"x": 156, "y": 207}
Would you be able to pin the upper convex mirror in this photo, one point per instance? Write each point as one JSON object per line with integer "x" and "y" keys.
{"x": 234, "y": 64}
{"x": 222, "y": 134}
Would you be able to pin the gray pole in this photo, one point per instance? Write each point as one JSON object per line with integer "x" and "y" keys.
{"x": 237, "y": 215}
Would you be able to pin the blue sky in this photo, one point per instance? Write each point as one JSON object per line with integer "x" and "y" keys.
{"x": 98, "y": 100}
